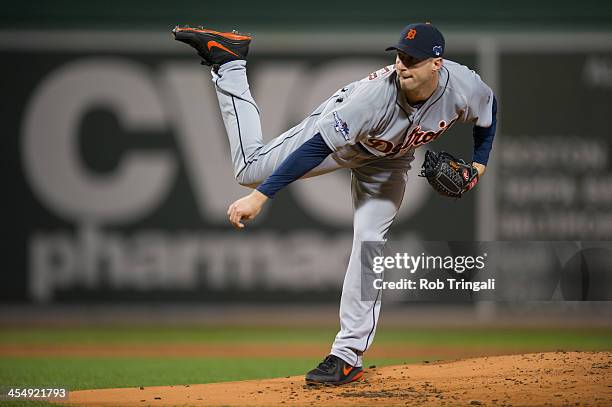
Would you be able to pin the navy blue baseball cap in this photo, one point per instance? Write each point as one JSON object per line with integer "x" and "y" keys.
{"x": 421, "y": 40}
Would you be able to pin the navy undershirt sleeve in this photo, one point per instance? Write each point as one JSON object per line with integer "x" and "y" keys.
{"x": 305, "y": 158}
{"x": 483, "y": 138}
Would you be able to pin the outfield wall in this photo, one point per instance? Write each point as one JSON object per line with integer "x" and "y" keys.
{"x": 119, "y": 178}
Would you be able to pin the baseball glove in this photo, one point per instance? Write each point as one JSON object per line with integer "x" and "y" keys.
{"x": 448, "y": 175}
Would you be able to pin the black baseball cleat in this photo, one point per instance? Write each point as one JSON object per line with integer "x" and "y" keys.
{"x": 333, "y": 371}
{"x": 215, "y": 48}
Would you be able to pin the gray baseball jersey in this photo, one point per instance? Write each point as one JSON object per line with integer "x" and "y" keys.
{"x": 372, "y": 130}
{"x": 373, "y": 113}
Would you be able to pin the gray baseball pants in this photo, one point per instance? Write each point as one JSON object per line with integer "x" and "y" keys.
{"x": 377, "y": 191}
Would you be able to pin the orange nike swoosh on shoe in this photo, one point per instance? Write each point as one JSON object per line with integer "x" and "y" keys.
{"x": 347, "y": 371}
{"x": 231, "y": 36}
{"x": 212, "y": 44}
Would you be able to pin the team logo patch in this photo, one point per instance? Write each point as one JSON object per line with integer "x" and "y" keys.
{"x": 340, "y": 126}
{"x": 411, "y": 34}
{"x": 466, "y": 174}
{"x": 437, "y": 50}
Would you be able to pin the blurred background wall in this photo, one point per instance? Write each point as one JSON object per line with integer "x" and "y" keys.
{"x": 116, "y": 163}
{"x": 279, "y": 15}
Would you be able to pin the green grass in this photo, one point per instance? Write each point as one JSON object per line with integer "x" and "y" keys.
{"x": 92, "y": 373}
{"x": 94, "y": 335}
{"x": 511, "y": 338}
{"x": 89, "y": 373}
{"x": 465, "y": 337}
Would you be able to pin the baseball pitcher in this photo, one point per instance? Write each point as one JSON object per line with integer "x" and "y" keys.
{"x": 372, "y": 127}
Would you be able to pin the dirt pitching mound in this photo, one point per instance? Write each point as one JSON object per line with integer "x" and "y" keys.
{"x": 560, "y": 378}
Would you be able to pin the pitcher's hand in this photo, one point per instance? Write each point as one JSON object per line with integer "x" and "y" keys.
{"x": 246, "y": 208}
{"x": 481, "y": 168}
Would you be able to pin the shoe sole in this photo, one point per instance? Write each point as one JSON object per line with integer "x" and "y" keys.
{"x": 358, "y": 376}
{"x": 225, "y": 35}
{"x": 203, "y": 40}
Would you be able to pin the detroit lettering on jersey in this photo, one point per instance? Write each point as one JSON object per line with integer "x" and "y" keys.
{"x": 416, "y": 138}
{"x": 374, "y": 113}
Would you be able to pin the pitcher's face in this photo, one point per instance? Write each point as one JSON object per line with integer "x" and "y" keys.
{"x": 413, "y": 73}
